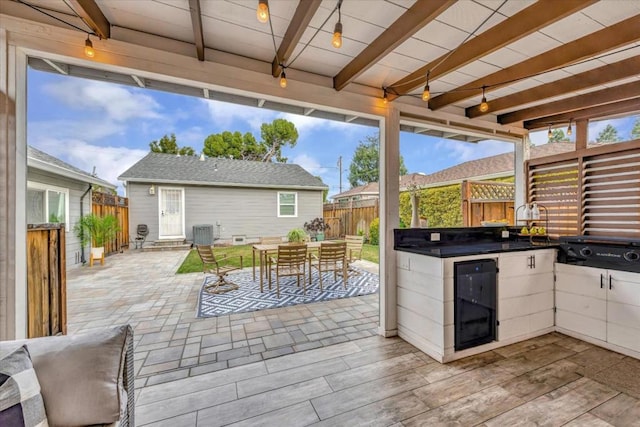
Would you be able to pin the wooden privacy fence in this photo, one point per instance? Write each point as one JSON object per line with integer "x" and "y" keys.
{"x": 486, "y": 201}
{"x": 46, "y": 280}
{"x": 111, "y": 204}
{"x": 350, "y": 217}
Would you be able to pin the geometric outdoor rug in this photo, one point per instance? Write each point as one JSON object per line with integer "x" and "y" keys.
{"x": 249, "y": 298}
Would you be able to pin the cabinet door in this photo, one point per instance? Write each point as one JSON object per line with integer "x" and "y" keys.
{"x": 581, "y": 300}
{"x": 518, "y": 264}
{"x": 623, "y": 309}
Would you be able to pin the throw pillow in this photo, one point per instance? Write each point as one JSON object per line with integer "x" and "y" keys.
{"x": 21, "y": 403}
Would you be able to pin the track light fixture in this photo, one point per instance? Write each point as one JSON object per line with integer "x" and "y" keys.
{"x": 88, "y": 48}
{"x": 337, "y": 31}
{"x": 263, "y": 11}
{"x": 283, "y": 79}
{"x": 484, "y": 106}
{"x": 569, "y": 132}
{"x": 426, "y": 94}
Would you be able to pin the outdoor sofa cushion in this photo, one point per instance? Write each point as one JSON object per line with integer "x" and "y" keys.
{"x": 81, "y": 376}
{"x": 21, "y": 403}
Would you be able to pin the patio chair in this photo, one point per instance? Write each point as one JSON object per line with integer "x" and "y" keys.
{"x": 142, "y": 231}
{"x": 213, "y": 265}
{"x": 354, "y": 251}
{"x": 291, "y": 260}
{"x": 331, "y": 257}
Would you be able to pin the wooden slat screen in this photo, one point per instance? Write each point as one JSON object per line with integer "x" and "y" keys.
{"x": 593, "y": 191}
{"x": 554, "y": 186}
{"x": 611, "y": 195}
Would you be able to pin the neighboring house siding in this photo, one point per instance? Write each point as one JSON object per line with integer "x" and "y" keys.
{"x": 248, "y": 212}
{"x": 76, "y": 190}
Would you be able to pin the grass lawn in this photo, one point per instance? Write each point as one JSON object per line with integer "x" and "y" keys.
{"x": 192, "y": 263}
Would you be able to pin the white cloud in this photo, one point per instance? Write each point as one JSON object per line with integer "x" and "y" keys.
{"x": 90, "y": 129}
{"x": 109, "y": 162}
{"x": 464, "y": 151}
{"x": 118, "y": 103}
{"x": 224, "y": 113}
{"x": 309, "y": 164}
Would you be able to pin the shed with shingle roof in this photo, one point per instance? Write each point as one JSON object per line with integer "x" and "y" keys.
{"x": 243, "y": 200}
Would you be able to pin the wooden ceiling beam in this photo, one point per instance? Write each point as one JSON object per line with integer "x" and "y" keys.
{"x": 299, "y": 23}
{"x": 614, "y": 108}
{"x": 523, "y": 23}
{"x": 196, "y": 23}
{"x": 90, "y": 12}
{"x": 591, "y": 99}
{"x": 414, "y": 19}
{"x": 609, "y": 73}
{"x": 609, "y": 38}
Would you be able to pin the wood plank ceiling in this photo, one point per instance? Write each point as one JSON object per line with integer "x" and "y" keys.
{"x": 539, "y": 63}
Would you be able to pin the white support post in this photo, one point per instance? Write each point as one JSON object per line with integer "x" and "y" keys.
{"x": 522, "y": 152}
{"x": 389, "y": 219}
{"x": 13, "y": 188}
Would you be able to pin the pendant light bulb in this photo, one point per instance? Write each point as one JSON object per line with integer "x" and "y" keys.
{"x": 337, "y": 35}
{"x": 283, "y": 80}
{"x": 426, "y": 94}
{"x": 550, "y": 133}
{"x": 88, "y": 48}
{"x": 263, "y": 11}
{"x": 569, "y": 132}
{"x": 484, "y": 106}
{"x": 385, "y": 100}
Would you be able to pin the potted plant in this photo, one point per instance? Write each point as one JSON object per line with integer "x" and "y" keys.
{"x": 317, "y": 227}
{"x": 96, "y": 230}
{"x": 297, "y": 235}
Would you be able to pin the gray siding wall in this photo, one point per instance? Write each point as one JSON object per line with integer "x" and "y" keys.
{"x": 248, "y": 212}
{"x": 76, "y": 189}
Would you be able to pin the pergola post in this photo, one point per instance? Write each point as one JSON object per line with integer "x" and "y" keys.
{"x": 13, "y": 186}
{"x": 522, "y": 152}
{"x": 389, "y": 219}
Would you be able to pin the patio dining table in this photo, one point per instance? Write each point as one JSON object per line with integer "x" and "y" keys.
{"x": 264, "y": 250}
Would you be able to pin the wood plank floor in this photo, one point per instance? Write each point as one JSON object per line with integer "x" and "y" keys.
{"x": 322, "y": 364}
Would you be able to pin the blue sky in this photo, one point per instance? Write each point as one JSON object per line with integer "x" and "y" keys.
{"x": 95, "y": 124}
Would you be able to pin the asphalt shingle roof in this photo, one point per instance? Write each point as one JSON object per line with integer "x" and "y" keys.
{"x": 473, "y": 169}
{"x": 169, "y": 168}
{"x": 35, "y": 154}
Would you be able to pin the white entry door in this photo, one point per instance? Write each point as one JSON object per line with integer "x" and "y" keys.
{"x": 171, "y": 213}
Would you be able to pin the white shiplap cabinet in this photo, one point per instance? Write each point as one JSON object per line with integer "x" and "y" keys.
{"x": 599, "y": 305}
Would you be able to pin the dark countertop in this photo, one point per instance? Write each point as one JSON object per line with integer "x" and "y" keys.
{"x": 448, "y": 251}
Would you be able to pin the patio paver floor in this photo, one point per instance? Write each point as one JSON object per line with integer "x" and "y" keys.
{"x": 322, "y": 363}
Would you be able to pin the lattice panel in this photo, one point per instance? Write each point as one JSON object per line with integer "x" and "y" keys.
{"x": 492, "y": 191}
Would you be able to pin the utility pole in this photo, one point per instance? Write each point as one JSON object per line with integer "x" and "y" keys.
{"x": 340, "y": 170}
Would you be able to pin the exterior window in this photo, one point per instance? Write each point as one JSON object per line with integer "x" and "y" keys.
{"x": 47, "y": 204}
{"x": 288, "y": 204}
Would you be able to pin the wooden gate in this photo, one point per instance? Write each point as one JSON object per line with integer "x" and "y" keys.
{"x": 487, "y": 201}
{"x": 46, "y": 280}
{"x": 111, "y": 204}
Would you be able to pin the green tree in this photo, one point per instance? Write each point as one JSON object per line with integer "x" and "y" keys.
{"x": 275, "y": 135}
{"x": 168, "y": 144}
{"x": 608, "y": 134}
{"x": 233, "y": 144}
{"x": 557, "y": 135}
{"x": 635, "y": 132}
{"x": 364, "y": 167}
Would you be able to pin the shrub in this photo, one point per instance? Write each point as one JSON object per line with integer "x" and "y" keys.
{"x": 100, "y": 229}
{"x": 374, "y": 232}
{"x": 297, "y": 235}
{"x": 316, "y": 225}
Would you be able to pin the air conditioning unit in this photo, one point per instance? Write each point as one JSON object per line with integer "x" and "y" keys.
{"x": 203, "y": 234}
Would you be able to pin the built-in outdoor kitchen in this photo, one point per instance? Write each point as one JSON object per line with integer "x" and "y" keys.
{"x": 463, "y": 291}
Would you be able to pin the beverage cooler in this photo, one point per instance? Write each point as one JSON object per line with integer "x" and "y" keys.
{"x": 475, "y": 302}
